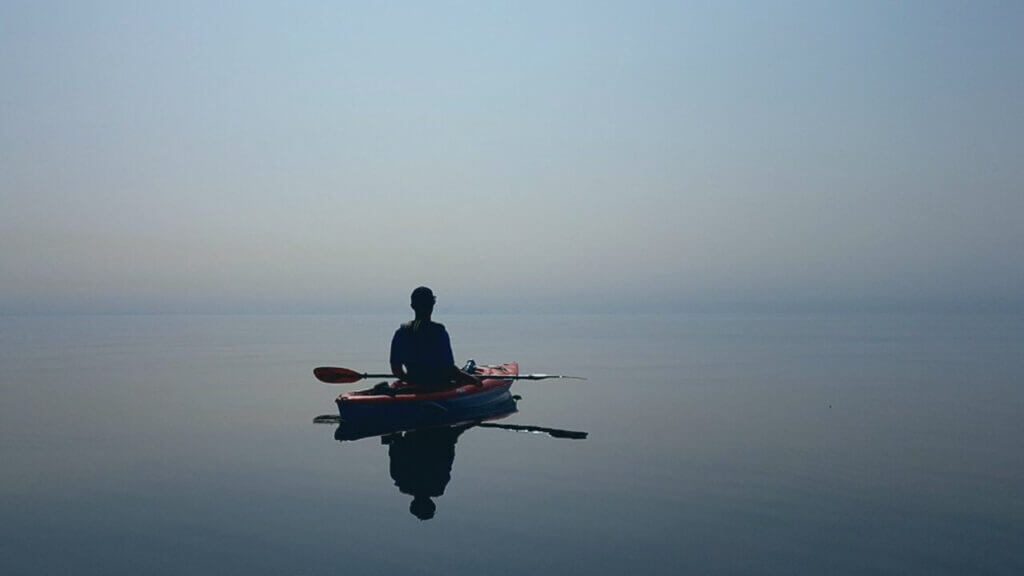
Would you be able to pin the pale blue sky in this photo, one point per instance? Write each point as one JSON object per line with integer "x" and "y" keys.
{"x": 330, "y": 156}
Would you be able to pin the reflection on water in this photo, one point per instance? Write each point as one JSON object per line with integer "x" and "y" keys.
{"x": 421, "y": 464}
{"x": 422, "y": 454}
{"x": 181, "y": 445}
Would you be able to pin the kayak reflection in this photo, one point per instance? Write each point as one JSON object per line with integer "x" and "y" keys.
{"x": 422, "y": 453}
{"x": 401, "y": 421}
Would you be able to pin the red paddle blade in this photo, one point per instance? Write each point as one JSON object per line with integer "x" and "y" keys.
{"x": 332, "y": 375}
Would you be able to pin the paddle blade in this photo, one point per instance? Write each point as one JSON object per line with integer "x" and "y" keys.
{"x": 333, "y": 375}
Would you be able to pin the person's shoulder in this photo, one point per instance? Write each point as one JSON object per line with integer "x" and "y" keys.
{"x": 431, "y": 326}
{"x": 434, "y": 329}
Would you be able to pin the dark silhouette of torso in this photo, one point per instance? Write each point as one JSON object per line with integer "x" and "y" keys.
{"x": 421, "y": 465}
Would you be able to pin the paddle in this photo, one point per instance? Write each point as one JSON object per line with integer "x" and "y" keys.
{"x": 553, "y": 432}
{"x": 335, "y": 375}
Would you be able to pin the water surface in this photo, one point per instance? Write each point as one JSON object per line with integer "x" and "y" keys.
{"x": 717, "y": 444}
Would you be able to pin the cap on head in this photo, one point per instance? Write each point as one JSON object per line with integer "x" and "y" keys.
{"x": 422, "y": 296}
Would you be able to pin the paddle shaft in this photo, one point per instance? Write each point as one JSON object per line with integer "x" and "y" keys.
{"x": 553, "y": 432}
{"x": 333, "y": 375}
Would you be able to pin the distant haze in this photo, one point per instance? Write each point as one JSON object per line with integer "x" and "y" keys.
{"x": 580, "y": 156}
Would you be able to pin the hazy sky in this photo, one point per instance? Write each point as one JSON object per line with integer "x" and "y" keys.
{"x": 331, "y": 156}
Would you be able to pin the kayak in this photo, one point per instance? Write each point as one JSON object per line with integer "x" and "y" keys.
{"x": 391, "y": 424}
{"x": 407, "y": 406}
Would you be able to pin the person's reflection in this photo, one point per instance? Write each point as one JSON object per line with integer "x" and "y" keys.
{"x": 421, "y": 464}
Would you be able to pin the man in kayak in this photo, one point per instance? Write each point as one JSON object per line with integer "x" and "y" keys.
{"x": 421, "y": 351}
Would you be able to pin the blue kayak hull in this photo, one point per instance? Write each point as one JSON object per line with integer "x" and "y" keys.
{"x": 409, "y": 418}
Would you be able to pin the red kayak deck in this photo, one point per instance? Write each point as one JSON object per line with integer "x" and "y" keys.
{"x": 409, "y": 406}
{"x": 400, "y": 391}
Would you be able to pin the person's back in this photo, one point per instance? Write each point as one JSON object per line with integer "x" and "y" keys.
{"x": 424, "y": 348}
{"x": 421, "y": 351}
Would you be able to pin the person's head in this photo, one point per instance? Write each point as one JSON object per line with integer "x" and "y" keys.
{"x": 422, "y": 300}
{"x": 422, "y": 507}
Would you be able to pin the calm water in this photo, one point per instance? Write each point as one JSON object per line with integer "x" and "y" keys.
{"x": 717, "y": 444}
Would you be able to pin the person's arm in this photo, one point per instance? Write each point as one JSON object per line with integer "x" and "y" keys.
{"x": 398, "y": 370}
{"x": 397, "y": 354}
{"x": 457, "y": 375}
{"x": 461, "y": 377}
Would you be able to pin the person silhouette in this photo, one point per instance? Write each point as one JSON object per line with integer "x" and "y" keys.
{"x": 421, "y": 464}
{"x": 421, "y": 350}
